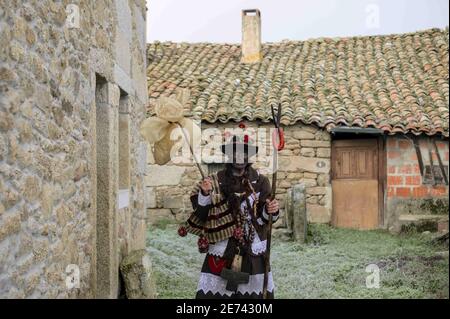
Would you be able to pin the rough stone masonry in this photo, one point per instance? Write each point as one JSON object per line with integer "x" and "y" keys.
{"x": 305, "y": 159}
{"x": 61, "y": 85}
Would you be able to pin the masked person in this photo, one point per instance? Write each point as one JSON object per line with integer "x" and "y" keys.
{"x": 231, "y": 213}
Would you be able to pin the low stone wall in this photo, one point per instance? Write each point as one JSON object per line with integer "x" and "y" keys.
{"x": 305, "y": 159}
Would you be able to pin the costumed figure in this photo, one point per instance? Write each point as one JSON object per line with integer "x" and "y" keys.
{"x": 232, "y": 214}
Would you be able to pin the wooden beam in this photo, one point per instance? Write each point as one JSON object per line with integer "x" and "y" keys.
{"x": 430, "y": 154}
{"x": 441, "y": 164}
{"x": 419, "y": 156}
{"x": 382, "y": 179}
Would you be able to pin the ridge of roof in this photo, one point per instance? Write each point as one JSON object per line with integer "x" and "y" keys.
{"x": 397, "y": 83}
{"x": 319, "y": 39}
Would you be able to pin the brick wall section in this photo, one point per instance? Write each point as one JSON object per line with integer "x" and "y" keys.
{"x": 403, "y": 174}
{"x": 408, "y": 198}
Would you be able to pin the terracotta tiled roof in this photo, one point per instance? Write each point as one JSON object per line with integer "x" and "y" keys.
{"x": 398, "y": 83}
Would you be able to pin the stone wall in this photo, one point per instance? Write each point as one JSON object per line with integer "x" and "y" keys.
{"x": 305, "y": 158}
{"x": 410, "y": 197}
{"x": 49, "y": 74}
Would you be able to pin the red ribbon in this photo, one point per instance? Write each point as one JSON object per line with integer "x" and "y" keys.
{"x": 278, "y": 139}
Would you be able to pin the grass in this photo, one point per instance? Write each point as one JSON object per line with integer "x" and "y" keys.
{"x": 331, "y": 265}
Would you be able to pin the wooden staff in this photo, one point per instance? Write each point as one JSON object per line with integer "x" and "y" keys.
{"x": 278, "y": 144}
{"x": 192, "y": 150}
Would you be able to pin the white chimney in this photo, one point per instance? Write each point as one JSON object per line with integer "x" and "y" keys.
{"x": 251, "y": 36}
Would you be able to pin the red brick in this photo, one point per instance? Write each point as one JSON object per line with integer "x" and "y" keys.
{"x": 421, "y": 191}
{"x": 395, "y": 180}
{"x": 439, "y": 191}
{"x": 391, "y": 169}
{"x": 416, "y": 169}
{"x": 446, "y": 156}
{"x": 391, "y": 192}
{"x": 405, "y": 169}
{"x": 441, "y": 145}
{"x": 392, "y": 143}
{"x": 393, "y": 154}
{"x": 413, "y": 156}
{"x": 403, "y": 192}
{"x": 413, "y": 180}
{"x": 434, "y": 156}
{"x": 403, "y": 145}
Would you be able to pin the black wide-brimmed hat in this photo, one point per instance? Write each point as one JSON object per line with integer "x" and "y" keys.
{"x": 239, "y": 144}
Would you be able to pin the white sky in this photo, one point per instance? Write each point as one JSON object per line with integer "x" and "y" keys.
{"x": 220, "y": 20}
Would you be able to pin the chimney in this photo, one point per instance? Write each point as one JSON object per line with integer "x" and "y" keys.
{"x": 251, "y": 36}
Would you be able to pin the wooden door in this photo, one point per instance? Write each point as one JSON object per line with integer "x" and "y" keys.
{"x": 355, "y": 184}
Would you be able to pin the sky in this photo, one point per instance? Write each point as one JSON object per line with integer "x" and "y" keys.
{"x": 219, "y": 21}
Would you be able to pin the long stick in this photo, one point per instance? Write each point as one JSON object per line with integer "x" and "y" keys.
{"x": 441, "y": 165}
{"x": 192, "y": 151}
{"x": 431, "y": 161}
{"x": 276, "y": 120}
{"x": 419, "y": 156}
{"x": 269, "y": 233}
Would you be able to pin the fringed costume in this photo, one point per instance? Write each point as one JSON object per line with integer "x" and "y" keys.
{"x": 232, "y": 225}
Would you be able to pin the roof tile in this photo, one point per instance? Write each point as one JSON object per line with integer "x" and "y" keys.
{"x": 398, "y": 83}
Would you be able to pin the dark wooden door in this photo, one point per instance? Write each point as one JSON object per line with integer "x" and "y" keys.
{"x": 355, "y": 184}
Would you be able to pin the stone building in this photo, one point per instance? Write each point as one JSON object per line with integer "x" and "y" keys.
{"x": 72, "y": 94}
{"x": 366, "y": 120}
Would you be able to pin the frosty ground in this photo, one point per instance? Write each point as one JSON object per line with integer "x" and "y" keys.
{"x": 331, "y": 265}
